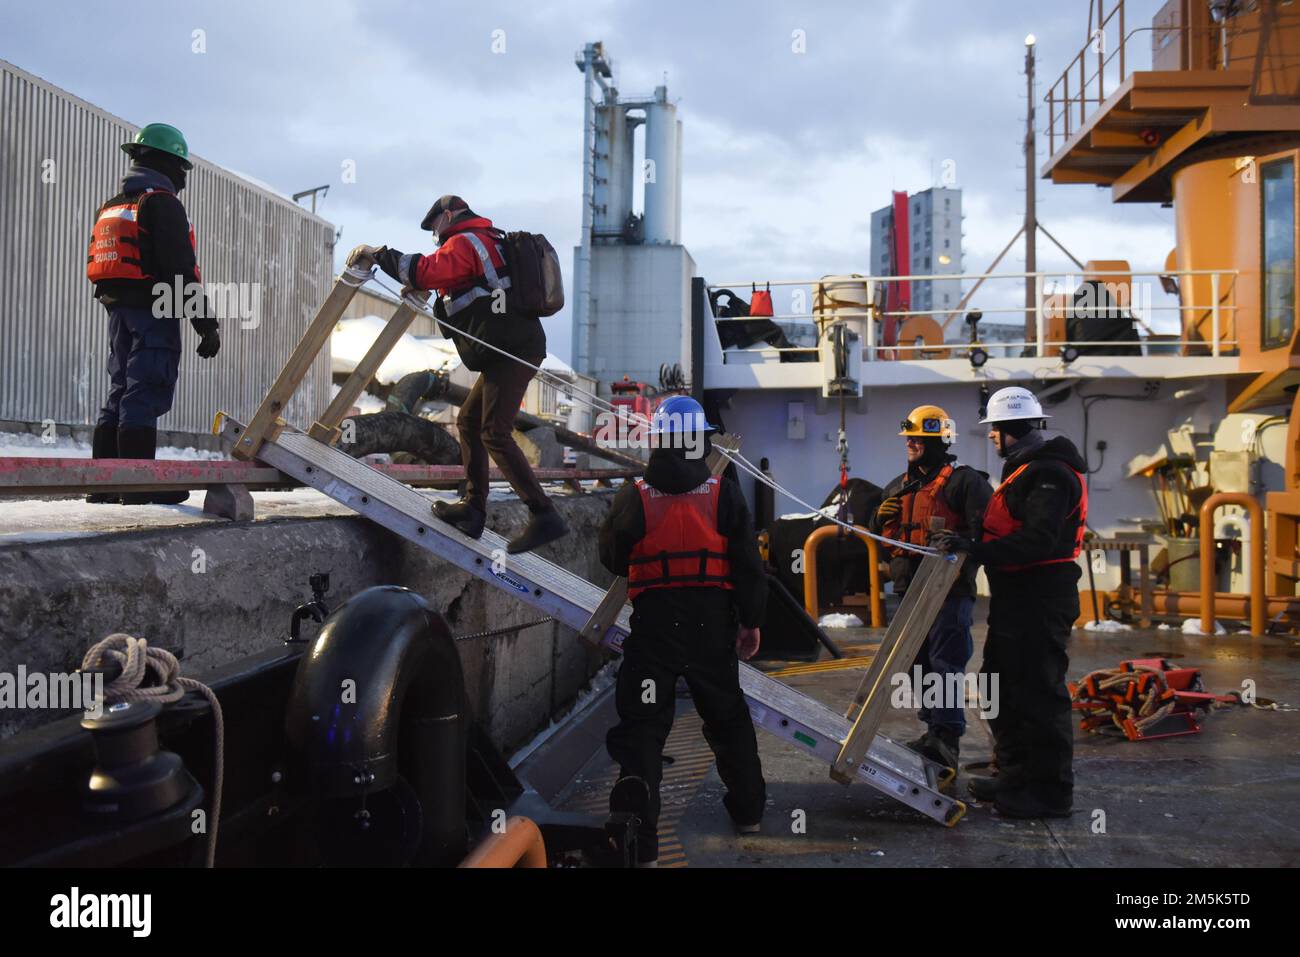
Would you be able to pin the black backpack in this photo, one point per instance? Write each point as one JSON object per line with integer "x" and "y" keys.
{"x": 536, "y": 284}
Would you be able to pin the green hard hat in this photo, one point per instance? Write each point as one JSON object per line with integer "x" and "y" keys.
{"x": 160, "y": 136}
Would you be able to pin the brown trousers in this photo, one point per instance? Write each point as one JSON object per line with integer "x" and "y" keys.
{"x": 486, "y": 426}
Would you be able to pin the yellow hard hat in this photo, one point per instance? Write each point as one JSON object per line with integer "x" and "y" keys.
{"x": 928, "y": 421}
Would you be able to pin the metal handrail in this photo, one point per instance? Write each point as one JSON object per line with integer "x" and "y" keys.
{"x": 810, "y": 600}
{"x": 1041, "y": 311}
{"x": 1258, "y": 603}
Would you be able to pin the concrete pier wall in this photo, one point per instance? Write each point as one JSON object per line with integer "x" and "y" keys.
{"x": 215, "y": 592}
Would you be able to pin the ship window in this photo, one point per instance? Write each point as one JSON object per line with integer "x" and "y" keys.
{"x": 1278, "y": 252}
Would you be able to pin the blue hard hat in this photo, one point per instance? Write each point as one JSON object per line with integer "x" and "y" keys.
{"x": 679, "y": 414}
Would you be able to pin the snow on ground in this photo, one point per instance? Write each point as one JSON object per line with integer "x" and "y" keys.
{"x": 26, "y": 445}
{"x": 366, "y": 402}
{"x": 352, "y": 337}
{"x": 600, "y": 681}
{"x": 1107, "y": 625}
{"x": 24, "y": 521}
{"x": 840, "y": 621}
{"x": 1192, "y": 626}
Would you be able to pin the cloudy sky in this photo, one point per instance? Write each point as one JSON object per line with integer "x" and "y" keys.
{"x": 785, "y": 153}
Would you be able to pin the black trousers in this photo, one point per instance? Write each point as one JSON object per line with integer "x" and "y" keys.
{"x": 1031, "y": 615}
{"x": 675, "y": 634}
{"x": 486, "y": 427}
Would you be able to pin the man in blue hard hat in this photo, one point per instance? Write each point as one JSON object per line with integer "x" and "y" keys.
{"x": 685, "y": 541}
{"x": 141, "y": 251}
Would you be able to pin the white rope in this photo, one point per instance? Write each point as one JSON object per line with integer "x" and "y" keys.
{"x": 746, "y": 465}
{"x": 136, "y": 659}
{"x": 735, "y": 457}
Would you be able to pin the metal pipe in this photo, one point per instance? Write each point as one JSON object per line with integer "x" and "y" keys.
{"x": 1187, "y": 604}
{"x": 381, "y": 693}
{"x": 1208, "y": 596}
{"x": 520, "y": 845}
{"x": 810, "y": 544}
{"x": 1214, "y": 314}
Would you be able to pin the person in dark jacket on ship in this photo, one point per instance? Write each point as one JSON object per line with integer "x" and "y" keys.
{"x": 1031, "y": 536}
{"x": 685, "y": 541}
{"x": 470, "y": 274}
{"x": 936, "y": 486}
{"x": 143, "y": 264}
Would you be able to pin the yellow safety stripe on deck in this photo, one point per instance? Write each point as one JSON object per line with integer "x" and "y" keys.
{"x": 692, "y": 761}
{"x": 816, "y": 667}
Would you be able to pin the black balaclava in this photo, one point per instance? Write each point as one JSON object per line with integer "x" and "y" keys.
{"x": 1017, "y": 428}
{"x": 161, "y": 162}
{"x": 935, "y": 454}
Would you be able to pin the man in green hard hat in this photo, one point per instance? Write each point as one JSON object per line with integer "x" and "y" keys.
{"x": 141, "y": 252}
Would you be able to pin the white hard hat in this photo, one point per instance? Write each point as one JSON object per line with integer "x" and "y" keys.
{"x": 1013, "y": 403}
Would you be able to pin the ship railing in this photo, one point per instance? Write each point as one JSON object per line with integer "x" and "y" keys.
{"x": 1203, "y": 300}
{"x": 1107, "y": 58}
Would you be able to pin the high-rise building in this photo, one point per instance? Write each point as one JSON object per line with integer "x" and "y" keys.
{"x": 933, "y": 247}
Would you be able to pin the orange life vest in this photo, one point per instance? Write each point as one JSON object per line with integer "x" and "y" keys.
{"x": 682, "y": 547}
{"x": 999, "y": 522}
{"x": 913, "y": 522}
{"x": 115, "y": 242}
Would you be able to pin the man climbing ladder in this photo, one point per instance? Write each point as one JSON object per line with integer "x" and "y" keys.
{"x": 470, "y": 273}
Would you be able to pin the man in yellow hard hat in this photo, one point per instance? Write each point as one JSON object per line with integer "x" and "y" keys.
{"x": 935, "y": 486}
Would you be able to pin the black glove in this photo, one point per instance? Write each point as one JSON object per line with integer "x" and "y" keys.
{"x": 390, "y": 261}
{"x": 209, "y": 345}
{"x": 950, "y": 542}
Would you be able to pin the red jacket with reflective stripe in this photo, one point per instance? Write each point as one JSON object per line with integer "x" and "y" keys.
{"x": 454, "y": 266}
{"x": 999, "y": 522}
{"x": 115, "y": 242}
{"x": 682, "y": 547}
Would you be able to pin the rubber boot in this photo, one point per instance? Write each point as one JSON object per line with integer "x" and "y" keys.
{"x": 103, "y": 445}
{"x": 1024, "y": 803}
{"x": 630, "y": 795}
{"x": 938, "y": 745}
{"x": 140, "y": 442}
{"x": 546, "y": 525}
{"x": 984, "y": 788}
{"x": 466, "y": 515}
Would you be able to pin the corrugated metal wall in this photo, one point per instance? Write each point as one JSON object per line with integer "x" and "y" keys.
{"x": 59, "y": 161}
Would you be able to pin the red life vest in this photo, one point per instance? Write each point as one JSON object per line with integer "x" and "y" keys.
{"x": 682, "y": 547}
{"x": 999, "y": 522}
{"x": 115, "y": 241}
{"x": 913, "y": 522}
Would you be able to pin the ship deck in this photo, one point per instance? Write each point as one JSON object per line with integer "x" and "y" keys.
{"x": 1222, "y": 797}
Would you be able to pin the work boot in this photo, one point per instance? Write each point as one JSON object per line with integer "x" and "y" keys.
{"x": 742, "y": 825}
{"x": 938, "y": 745}
{"x": 103, "y": 445}
{"x": 630, "y": 795}
{"x": 466, "y": 515}
{"x": 546, "y": 525}
{"x": 140, "y": 442}
{"x": 1023, "y": 803}
{"x": 985, "y": 788}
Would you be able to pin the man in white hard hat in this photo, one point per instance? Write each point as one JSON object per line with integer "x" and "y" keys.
{"x": 1031, "y": 536}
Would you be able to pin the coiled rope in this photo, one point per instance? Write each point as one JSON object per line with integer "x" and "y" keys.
{"x": 137, "y": 660}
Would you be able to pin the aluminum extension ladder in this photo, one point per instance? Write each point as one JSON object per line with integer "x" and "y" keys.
{"x": 851, "y": 746}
